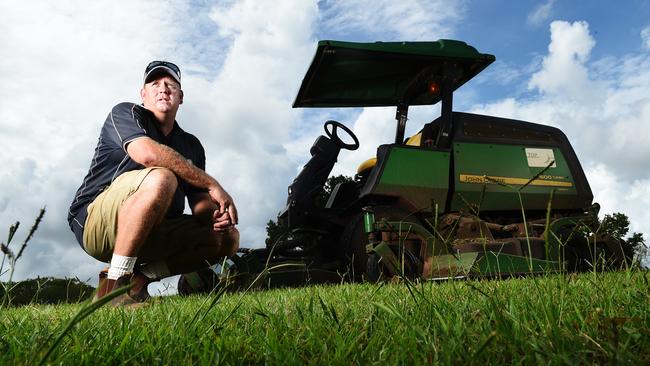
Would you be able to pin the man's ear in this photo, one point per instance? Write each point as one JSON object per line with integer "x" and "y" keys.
{"x": 142, "y": 92}
{"x": 182, "y": 94}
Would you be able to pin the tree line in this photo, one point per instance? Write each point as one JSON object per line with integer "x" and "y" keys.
{"x": 46, "y": 290}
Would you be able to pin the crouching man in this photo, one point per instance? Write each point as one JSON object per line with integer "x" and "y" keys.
{"x": 129, "y": 209}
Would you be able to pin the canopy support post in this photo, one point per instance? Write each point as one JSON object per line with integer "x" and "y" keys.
{"x": 446, "y": 114}
{"x": 401, "y": 117}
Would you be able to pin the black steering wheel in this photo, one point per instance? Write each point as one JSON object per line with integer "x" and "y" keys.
{"x": 335, "y": 137}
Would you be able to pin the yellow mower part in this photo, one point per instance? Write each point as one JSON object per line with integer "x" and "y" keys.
{"x": 370, "y": 163}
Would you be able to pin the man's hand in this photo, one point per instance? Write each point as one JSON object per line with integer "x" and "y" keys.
{"x": 226, "y": 205}
{"x": 221, "y": 222}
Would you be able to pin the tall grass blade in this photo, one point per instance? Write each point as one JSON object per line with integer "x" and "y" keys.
{"x": 213, "y": 302}
{"x": 537, "y": 175}
{"x": 523, "y": 215}
{"x": 221, "y": 291}
{"x": 81, "y": 315}
{"x": 12, "y": 231}
{"x": 14, "y": 258}
{"x": 485, "y": 343}
{"x": 32, "y": 230}
{"x": 547, "y": 243}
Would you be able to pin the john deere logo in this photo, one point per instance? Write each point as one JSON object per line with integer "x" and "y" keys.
{"x": 488, "y": 179}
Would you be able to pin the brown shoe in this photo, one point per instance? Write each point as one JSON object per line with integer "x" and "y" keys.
{"x": 139, "y": 290}
{"x": 127, "y": 299}
{"x": 137, "y": 294}
{"x": 102, "y": 285}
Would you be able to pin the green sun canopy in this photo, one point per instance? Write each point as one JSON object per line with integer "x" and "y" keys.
{"x": 348, "y": 74}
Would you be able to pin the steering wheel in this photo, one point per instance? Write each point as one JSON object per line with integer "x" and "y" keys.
{"x": 335, "y": 137}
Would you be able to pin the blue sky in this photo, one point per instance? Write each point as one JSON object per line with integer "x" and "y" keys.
{"x": 583, "y": 66}
{"x": 505, "y": 28}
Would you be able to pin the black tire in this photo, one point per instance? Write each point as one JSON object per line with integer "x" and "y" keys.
{"x": 354, "y": 240}
{"x": 200, "y": 282}
{"x": 583, "y": 256}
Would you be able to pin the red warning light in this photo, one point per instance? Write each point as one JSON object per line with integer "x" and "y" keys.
{"x": 434, "y": 88}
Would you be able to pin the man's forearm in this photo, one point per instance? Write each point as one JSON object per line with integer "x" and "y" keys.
{"x": 151, "y": 153}
{"x": 172, "y": 160}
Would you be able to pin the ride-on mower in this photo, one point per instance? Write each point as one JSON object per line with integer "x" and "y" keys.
{"x": 469, "y": 195}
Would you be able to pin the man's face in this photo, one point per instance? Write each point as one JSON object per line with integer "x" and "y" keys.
{"x": 162, "y": 94}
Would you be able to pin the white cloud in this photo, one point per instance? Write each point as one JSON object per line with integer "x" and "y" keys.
{"x": 563, "y": 71}
{"x": 645, "y": 37}
{"x": 616, "y": 195}
{"x": 541, "y": 14}
{"x": 631, "y": 198}
{"x": 388, "y": 20}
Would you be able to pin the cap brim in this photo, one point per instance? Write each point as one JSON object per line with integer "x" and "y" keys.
{"x": 158, "y": 70}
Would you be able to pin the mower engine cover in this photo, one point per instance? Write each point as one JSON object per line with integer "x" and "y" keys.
{"x": 350, "y": 74}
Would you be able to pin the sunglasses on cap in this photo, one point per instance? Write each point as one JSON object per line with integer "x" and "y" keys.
{"x": 168, "y": 65}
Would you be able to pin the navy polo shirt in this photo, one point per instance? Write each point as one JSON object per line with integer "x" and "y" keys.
{"x": 127, "y": 122}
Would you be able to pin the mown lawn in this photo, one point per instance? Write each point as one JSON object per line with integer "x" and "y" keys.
{"x": 591, "y": 318}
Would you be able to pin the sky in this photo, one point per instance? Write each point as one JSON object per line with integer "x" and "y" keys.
{"x": 582, "y": 66}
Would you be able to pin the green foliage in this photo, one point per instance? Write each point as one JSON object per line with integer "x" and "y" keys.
{"x": 48, "y": 290}
{"x": 330, "y": 184}
{"x": 636, "y": 242}
{"x": 591, "y": 318}
{"x": 617, "y": 226}
{"x": 274, "y": 232}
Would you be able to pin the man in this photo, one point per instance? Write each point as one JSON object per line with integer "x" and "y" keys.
{"x": 129, "y": 208}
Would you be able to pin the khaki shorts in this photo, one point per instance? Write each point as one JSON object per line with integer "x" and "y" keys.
{"x": 171, "y": 236}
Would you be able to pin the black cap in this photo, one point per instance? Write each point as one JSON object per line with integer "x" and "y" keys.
{"x": 155, "y": 68}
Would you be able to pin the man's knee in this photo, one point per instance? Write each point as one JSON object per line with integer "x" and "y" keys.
{"x": 227, "y": 242}
{"x": 160, "y": 180}
{"x": 234, "y": 241}
{"x": 224, "y": 244}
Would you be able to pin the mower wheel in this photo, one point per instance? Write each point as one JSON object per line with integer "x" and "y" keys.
{"x": 590, "y": 254}
{"x": 362, "y": 266}
{"x": 200, "y": 282}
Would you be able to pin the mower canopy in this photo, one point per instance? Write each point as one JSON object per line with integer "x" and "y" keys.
{"x": 350, "y": 74}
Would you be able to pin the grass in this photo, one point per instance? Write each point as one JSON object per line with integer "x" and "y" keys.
{"x": 591, "y": 318}
{"x": 12, "y": 257}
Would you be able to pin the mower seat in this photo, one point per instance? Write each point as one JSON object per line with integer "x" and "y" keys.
{"x": 368, "y": 164}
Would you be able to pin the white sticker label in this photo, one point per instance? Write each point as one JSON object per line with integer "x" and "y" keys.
{"x": 540, "y": 158}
